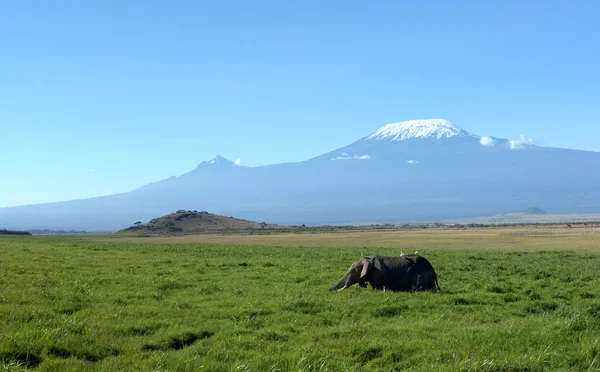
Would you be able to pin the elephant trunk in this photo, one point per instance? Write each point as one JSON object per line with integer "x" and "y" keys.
{"x": 341, "y": 285}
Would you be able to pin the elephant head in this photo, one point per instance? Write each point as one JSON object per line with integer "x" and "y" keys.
{"x": 357, "y": 273}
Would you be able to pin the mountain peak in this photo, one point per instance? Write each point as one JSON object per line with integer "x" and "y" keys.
{"x": 427, "y": 128}
{"x": 218, "y": 161}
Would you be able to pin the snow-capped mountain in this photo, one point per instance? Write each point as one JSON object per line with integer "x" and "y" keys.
{"x": 407, "y": 171}
{"x": 430, "y": 128}
{"x": 218, "y": 162}
{"x": 409, "y": 138}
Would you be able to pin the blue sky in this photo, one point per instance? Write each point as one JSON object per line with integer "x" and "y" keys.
{"x": 100, "y": 97}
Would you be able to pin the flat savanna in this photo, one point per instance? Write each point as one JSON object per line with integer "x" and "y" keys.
{"x": 514, "y": 298}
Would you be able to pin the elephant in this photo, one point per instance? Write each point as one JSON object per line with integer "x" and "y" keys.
{"x": 409, "y": 272}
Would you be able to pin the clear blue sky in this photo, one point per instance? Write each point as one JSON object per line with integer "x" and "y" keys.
{"x": 100, "y": 97}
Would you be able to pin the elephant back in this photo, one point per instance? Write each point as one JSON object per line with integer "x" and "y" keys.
{"x": 412, "y": 263}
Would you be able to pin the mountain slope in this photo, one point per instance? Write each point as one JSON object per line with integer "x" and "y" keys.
{"x": 409, "y": 171}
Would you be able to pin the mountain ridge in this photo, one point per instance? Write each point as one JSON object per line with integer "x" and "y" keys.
{"x": 420, "y": 178}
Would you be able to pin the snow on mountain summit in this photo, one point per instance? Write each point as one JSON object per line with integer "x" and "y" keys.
{"x": 428, "y": 128}
{"x": 218, "y": 162}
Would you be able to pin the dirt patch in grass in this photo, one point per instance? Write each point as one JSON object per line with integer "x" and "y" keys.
{"x": 178, "y": 342}
{"x": 29, "y": 360}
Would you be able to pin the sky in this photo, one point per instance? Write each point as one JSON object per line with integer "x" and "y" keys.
{"x": 102, "y": 97}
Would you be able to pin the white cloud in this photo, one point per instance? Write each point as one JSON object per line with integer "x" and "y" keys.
{"x": 412, "y": 161}
{"x": 518, "y": 143}
{"x": 486, "y": 141}
{"x": 238, "y": 161}
{"x": 345, "y": 156}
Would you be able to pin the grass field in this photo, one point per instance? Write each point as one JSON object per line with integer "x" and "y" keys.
{"x": 525, "y": 238}
{"x": 513, "y": 299}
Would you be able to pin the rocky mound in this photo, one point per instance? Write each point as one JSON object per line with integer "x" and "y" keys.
{"x": 184, "y": 221}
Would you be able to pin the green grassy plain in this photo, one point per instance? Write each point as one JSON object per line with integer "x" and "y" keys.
{"x": 513, "y": 299}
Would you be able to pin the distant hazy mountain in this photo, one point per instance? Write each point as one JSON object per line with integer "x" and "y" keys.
{"x": 533, "y": 210}
{"x": 408, "y": 171}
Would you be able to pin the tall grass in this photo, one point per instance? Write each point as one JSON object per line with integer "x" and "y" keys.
{"x": 71, "y": 304}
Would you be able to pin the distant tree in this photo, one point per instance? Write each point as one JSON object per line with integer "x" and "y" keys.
{"x": 137, "y": 223}
{"x": 13, "y": 232}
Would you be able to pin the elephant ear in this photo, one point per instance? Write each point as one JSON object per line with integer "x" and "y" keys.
{"x": 367, "y": 264}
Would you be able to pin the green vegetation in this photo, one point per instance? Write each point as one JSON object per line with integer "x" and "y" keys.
{"x": 13, "y": 232}
{"x": 69, "y": 303}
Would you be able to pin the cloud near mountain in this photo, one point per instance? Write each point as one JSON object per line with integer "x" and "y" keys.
{"x": 486, "y": 141}
{"x": 519, "y": 142}
{"x": 345, "y": 156}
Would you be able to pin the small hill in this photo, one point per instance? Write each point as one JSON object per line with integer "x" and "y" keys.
{"x": 533, "y": 210}
{"x": 194, "y": 222}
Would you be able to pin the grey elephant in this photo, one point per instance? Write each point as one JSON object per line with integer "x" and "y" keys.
{"x": 409, "y": 272}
